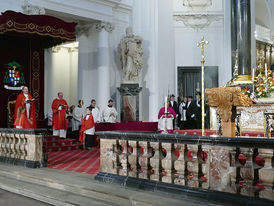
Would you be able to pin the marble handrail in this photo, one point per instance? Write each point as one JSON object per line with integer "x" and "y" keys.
{"x": 240, "y": 166}
{"x": 22, "y": 147}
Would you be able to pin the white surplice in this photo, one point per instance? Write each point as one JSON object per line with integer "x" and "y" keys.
{"x": 108, "y": 116}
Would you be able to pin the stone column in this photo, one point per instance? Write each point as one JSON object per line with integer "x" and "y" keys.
{"x": 86, "y": 90}
{"x": 103, "y": 63}
{"x": 241, "y": 35}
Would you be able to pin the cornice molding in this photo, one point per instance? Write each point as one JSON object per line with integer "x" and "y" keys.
{"x": 264, "y": 34}
{"x": 100, "y": 10}
{"x": 197, "y": 5}
{"x": 197, "y": 20}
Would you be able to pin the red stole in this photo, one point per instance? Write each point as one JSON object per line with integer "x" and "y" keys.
{"x": 20, "y": 101}
{"x": 23, "y": 121}
{"x": 86, "y": 124}
{"x": 59, "y": 120}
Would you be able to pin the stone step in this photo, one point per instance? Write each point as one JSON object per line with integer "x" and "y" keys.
{"x": 46, "y": 194}
{"x": 59, "y": 187}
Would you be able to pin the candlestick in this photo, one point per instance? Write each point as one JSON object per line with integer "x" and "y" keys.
{"x": 202, "y": 45}
{"x": 166, "y": 104}
{"x": 265, "y": 68}
{"x": 253, "y": 75}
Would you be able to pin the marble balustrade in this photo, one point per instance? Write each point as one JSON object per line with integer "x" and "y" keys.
{"x": 22, "y": 147}
{"x": 242, "y": 166}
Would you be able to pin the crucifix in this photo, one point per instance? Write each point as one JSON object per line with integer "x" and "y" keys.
{"x": 202, "y": 44}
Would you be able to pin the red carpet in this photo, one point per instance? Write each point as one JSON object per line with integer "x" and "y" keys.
{"x": 83, "y": 161}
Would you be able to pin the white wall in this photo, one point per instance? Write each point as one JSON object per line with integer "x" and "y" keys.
{"x": 217, "y": 52}
{"x": 14, "y": 5}
{"x": 61, "y": 70}
{"x": 152, "y": 20}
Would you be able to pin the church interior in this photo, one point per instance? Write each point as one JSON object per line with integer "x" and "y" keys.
{"x": 137, "y": 102}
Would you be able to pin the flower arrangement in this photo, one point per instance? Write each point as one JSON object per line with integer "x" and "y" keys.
{"x": 270, "y": 81}
{"x": 263, "y": 86}
{"x": 260, "y": 87}
{"x": 246, "y": 91}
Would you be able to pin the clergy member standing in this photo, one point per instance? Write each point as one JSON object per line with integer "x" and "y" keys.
{"x": 190, "y": 113}
{"x": 174, "y": 105}
{"x": 165, "y": 118}
{"x": 24, "y": 99}
{"x": 182, "y": 111}
{"x": 95, "y": 111}
{"x": 59, "y": 109}
{"x": 86, "y": 134}
{"x": 77, "y": 116}
{"x": 109, "y": 113}
{"x": 198, "y": 111}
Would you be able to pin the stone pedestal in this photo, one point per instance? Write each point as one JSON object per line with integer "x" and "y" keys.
{"x": 129, "y": 102}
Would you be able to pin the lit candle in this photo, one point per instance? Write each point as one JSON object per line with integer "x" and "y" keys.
{"x": 166, "y": 104}
{"x": 253, "y": 74}
{"x": 265, "y": 68}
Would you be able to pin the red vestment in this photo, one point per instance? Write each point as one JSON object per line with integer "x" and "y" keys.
{"x": 23, "y": 121}
{"x": 59, "y": 120}
{"x": 86, "y": 124}
{"x": 20, "y": 101}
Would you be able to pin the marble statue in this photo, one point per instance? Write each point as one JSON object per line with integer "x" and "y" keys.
{"x": 131, "y": 52}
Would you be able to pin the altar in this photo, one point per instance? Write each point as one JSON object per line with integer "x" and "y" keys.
{"x": 257, "y": 118}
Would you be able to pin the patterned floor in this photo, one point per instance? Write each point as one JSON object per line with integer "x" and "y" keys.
{"x": 83, "y": 161}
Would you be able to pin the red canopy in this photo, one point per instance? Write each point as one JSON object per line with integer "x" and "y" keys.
{"x": 53, "y": 30}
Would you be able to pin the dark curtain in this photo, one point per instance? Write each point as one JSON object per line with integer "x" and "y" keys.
{"x": 188, "y": 81}
{"x": 50, "y": 30}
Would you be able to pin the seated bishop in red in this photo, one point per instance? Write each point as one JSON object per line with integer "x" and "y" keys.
{"x": 59, "y": 121}
{"x": 24, "y": 99}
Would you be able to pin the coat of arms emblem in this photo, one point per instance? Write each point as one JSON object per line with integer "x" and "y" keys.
{"x": 14, "y": 78}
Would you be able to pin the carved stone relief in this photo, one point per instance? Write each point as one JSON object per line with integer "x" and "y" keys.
{"x": 32, "y": 9}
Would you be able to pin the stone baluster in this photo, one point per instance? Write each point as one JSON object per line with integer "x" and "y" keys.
{"x": 8, "y": 144}
{"x": 155, "y": 161}
{"x": 233, "y": 170}
{"x": 123, "y": 160}
{"x": 25, "y": 146}
{"x": 193, "y": 166}
{"x": 133, "y": 159}
{"x": 12, "y": 145}
{"x": 4, "y": 144}
{"x": 144, "y": 160}
{"x": 16, "y": 146}
{"x": 179, "y": 165}
{"x": 247, "y": 173}
{"x": 168, "y": 163}
{"x": 1, "y": 147}
{"x": 205, "y": 166}
{"x": 266, "y": 174}
{"x": 21, "y": 146}
{"x": 108, "y": 156}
